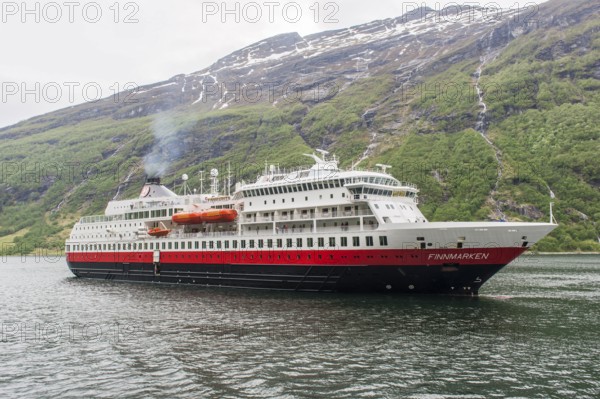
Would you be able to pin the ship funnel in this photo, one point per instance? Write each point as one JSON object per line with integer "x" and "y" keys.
{"x": 153, "y": 180}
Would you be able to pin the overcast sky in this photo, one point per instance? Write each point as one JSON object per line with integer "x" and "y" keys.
{"x": 57, "y": 54}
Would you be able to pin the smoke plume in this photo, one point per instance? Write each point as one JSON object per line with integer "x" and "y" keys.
{"x": 166, "y": 149}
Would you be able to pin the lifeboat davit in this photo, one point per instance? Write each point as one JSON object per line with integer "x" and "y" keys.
{"x": 210, "y": 216}
{"x": 158, "y": 232}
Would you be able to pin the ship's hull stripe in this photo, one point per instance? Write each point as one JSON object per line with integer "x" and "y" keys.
{"x": 315, "y": 257}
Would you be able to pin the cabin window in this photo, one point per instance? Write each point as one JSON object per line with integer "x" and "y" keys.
{"x": 226, "y": 243}
{"x": 234, "y": 243}
{"x": 261, "y": 243}
{"x": 332, "y": 242}
{"x": 196, "y": 245}
{"x": 369, "y": 241}
{"x": 343, "y": 241}
{"x": 309, "y": 242}
{"x": 170, "y": 245}
{"x": 298, "y": 242}
{"x": 321, "y": 242}
{"x": 243, "y": 243}
{"x": 279, "y": 243}
{"x": 383, "y": 241}
{"x": 218, "y": 244}
{"x": 288, "y": 243}
{"x": 176, "y": 245}
{"x": 270, "y": 243}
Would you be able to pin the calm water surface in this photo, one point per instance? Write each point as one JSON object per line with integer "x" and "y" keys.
{"x": 533, "y": 333}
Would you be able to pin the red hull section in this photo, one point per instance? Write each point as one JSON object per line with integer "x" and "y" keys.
{"x": 210, "y": 216}
{"x": 316, "y": 257}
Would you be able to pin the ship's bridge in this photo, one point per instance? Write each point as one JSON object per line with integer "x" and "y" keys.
{"x": 365, "y": 184}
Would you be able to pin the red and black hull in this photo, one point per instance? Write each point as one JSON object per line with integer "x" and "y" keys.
{"x": 414, "y": 272}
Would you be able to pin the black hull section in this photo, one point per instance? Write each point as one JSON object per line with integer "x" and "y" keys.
{"x": 452, "y": 280}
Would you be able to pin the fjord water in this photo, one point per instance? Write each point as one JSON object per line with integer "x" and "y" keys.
{"x": 534, "y": 332}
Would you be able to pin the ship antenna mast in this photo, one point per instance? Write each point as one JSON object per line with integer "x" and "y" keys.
{"x": 201, "y": 182}
{"x": 552, "y": 219}
{"x": 229, "y": 178}
{"x": 552, "y": 196}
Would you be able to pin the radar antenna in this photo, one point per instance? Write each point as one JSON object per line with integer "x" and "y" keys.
{"x": 383, "y": 167}
{"x": 185, "y": 178}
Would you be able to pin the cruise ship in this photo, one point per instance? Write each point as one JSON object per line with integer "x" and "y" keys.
{"x": 317, "y": 228}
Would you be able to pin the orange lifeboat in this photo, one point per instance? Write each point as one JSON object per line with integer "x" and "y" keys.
{"x": 158, "y": 232}
{"x": 210, "y": 216}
